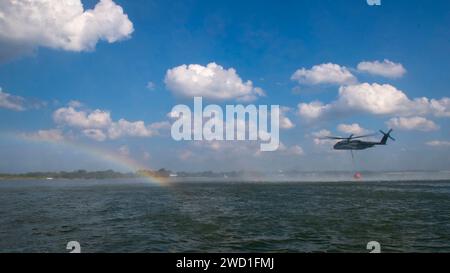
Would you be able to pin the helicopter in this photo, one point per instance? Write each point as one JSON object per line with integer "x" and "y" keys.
{"x": 350, "y": 143}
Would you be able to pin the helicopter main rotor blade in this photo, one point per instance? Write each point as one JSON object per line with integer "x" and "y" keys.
{"x": 330, "y": 137}
{"x": 363, "y": 136}
{"x": 346, "y": 138}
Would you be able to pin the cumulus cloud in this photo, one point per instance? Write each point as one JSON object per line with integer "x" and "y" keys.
{"x": 60, "y": 25}
{"x": 440, "y": 108}
{"x": 313, "y": 110}
{"x": 75, "y": 104}
{"x": 438, "y": 143}
{"x": 294, "y": 150}
{"x": 160, "y": 125}
{"x": 95, "y": 134}
{"x": 11, "y": 102}
{"x": 319, "y": 137}
{"x": 98, "y": 124}
{"x": 412, "y": 123}
{"x": 285, "y": 122}
{"x": 47, "y": 135}
{"x": 18, "y": 103}
{"x": 353, "y": 128}
{"x": 82, "y": 119}
{"x": 374, "y": 99}
{"x": 212, "y": 82}
{"x": 126, "y": 128}
{"x": 386, "y": 68}
{"x": 327, "y": 73}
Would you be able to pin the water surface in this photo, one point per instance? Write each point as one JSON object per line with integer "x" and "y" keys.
{"x": 136, "y": 216}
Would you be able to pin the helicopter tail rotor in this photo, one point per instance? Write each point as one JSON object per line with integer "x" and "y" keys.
{"x": 386, "y": 136}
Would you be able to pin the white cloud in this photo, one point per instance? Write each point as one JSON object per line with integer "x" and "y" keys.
{"x": 82, "y": 119}
{"x": 295, "y": 150}
{"x": 124, "y": 151}
{"x": 328, "y": 73}
{"x": 18, "y": 103}
{"x": 353, "y": 128}
{"x": 151, "y": 86}
{"x": 173, "y": 114}
{"x": 313, "y": 110}
{"x": 75, "y": 104}
{"x": 61, "y": 24}
{"x": 11, "y": 102}
{"x": 321, "y": 133}
{"x": 124, "y": 128}
{"x": 98, "y": 124}
{"x": 412, "y": 123}
{"x": 47, "y": 135}
{"x": 160, "y": 125}
{"x": 319, "y": 137}
{"x": 211, "y": 82}
{"x": 95, "y": 134}
{"x": 440, "y": 108}
{"x": 285, "y": 122}
{"x": 386, "y": 68}
{"x": 438, "y": 143}
{"x": 374, "y": 99}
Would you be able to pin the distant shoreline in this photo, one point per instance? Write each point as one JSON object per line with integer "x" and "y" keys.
{"x": 234, "y": 176}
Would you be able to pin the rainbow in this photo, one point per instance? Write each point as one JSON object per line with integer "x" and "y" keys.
{"x": 114, "y": 158}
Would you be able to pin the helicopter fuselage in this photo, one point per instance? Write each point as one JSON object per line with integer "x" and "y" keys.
{"x": 354, "y": 145}
{"x": 351, "y": 143}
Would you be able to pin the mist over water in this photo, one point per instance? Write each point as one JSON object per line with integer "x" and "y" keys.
{"x": 224, "y": 216}
{"x": 328, "y": 176}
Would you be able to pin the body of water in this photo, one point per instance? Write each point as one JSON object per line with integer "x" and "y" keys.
{"x": 135, "y": 216}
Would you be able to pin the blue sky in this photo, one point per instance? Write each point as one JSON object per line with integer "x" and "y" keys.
{"x": 405, "y": 44}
